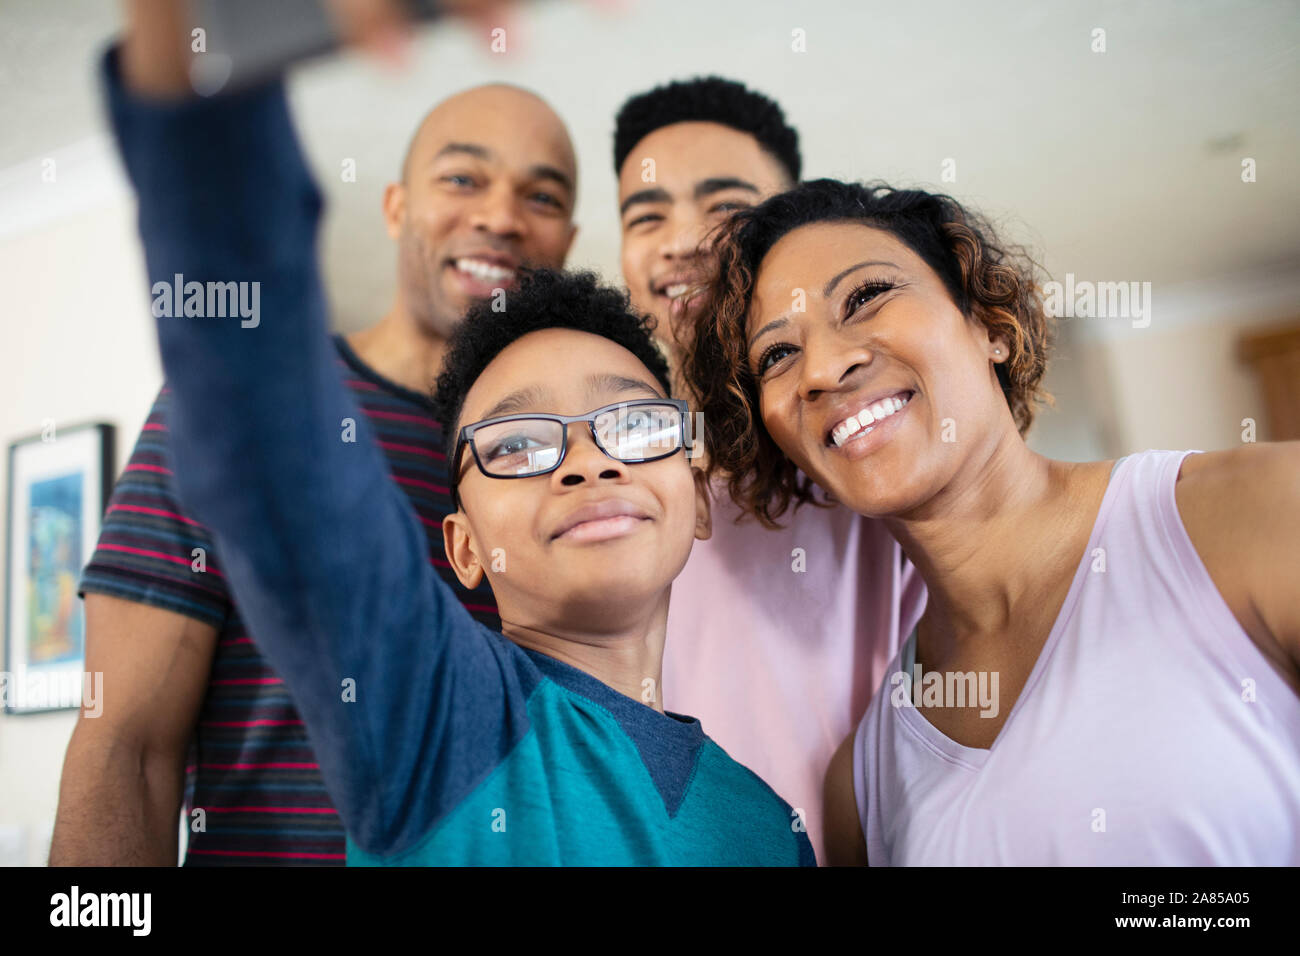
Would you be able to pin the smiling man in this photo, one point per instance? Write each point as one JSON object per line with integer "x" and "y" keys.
{"x": 687, "y": 155}
{"x": 781, "y": 635}
{"x": 487, "y": 186}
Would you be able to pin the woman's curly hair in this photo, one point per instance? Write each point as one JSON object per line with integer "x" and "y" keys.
{"x": 990, "y": 282}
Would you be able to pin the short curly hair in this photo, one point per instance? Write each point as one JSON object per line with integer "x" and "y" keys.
{"x": 990, "y": 282}
{"x": 544, "y": 299}
{"x": 707, "y": 99}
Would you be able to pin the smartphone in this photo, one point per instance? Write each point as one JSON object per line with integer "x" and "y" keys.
{"x": 245, "y": 42}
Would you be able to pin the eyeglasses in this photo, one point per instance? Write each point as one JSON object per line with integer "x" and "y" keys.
{"x": 524, "y": 446}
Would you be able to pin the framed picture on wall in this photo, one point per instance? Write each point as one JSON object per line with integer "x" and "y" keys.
{"x": 58, "y": 485}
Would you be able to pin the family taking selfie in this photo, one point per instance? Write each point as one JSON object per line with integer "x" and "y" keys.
{"x": 740, "y": 558}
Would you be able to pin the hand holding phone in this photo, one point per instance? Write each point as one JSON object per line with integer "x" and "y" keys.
{"x": 176, "y": 48}
{"x": 238, "y": 43}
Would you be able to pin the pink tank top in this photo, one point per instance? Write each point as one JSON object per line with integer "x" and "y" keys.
{"x": 1151, "y": 731}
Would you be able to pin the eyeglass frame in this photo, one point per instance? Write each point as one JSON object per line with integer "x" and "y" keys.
{"x": 466, "y": 437}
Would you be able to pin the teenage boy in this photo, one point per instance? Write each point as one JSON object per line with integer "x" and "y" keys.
{"x": 486, "y": 187}
{"x": 442, "y": 741}
{"x": 790, "y": 630}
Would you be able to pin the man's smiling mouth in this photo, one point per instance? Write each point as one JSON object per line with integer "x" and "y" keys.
{"x": 485, "y": 270}
{"x": 676, "y": 286}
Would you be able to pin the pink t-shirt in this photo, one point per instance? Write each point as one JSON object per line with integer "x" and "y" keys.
{"x": 777, "y": 639}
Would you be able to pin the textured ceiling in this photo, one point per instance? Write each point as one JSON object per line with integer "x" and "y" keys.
{"x": 1122, "y": 165}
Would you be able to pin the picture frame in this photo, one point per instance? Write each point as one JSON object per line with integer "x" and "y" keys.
{"x": 58, "y": 486}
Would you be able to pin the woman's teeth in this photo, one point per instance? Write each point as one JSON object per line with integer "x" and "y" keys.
{"x": 673, "y": 291}
{"x": 867, "y": 418}
{"x": 485, "y": 271}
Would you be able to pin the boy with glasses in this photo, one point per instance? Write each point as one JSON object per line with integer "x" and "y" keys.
{"x": 440, "y": 740}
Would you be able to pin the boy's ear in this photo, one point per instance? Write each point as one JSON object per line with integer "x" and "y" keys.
{"x": 460, "y": 548}
{"x": 703, "y": 510}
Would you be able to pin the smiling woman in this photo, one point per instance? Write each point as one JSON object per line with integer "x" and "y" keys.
{"x": 1134, "y": 618}
{"x": 727, "y": 359}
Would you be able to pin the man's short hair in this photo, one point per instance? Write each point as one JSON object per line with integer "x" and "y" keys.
{"x": 707, "y": 99}
{"x": 544, "y": 299}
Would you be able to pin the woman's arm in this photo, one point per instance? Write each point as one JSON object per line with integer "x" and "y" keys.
{"x": 845, "y": 845}
{"x": 326, "y": 560}
{"x": 1241, "y": 509}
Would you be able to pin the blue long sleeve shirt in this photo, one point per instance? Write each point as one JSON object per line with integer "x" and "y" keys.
{"x": 440, "y": 741}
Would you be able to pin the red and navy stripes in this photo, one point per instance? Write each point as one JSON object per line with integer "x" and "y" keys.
{"x": 251, "y": 768}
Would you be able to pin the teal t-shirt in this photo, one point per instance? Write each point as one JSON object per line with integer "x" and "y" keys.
{"x": 600, "y": 779}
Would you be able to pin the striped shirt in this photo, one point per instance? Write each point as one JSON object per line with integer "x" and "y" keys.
{"x": 251, "y": 768}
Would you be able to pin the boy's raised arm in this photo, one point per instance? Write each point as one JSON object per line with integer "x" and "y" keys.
{"x": 326, "y": 559}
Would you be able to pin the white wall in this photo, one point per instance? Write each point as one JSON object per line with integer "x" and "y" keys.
{"x": 77, "y": 347}
{"x": 1179, "y": 383}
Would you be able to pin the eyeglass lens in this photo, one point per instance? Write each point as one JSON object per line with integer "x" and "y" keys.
{"x": 528, "y": 446}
